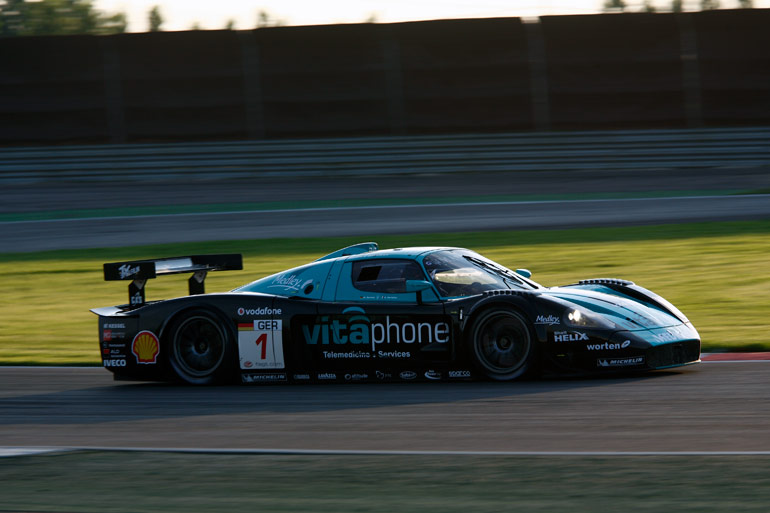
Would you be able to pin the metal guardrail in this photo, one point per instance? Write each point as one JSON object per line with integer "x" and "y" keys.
{"x": 621, "y": 150}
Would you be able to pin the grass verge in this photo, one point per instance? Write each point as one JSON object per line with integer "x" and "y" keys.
{"x": 716, "y": 273}
{"x": 156, "y": 482}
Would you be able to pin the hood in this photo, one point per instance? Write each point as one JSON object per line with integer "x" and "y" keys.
{"x": 627, "y": 313}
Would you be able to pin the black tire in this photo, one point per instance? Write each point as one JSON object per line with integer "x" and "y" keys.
{"x": 502, "y": 345}
{"x": 201, "y": 348}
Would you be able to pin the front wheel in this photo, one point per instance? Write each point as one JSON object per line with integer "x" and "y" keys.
{"x": 502, "y": 344}
{"x": 201, "y": 348}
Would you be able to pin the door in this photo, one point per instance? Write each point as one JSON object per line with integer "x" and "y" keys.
{"x": 375, "y": 324}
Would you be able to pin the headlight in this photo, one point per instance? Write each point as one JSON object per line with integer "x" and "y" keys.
{"x": 581, "y": 318}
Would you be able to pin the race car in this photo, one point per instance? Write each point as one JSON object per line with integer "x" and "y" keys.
{"x": 407, "y": 314}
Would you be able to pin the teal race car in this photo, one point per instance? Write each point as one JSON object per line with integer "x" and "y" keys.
{"x": 406, "y": 314}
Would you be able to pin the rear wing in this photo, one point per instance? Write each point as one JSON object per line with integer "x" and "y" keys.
{"x": 139, "y": 271}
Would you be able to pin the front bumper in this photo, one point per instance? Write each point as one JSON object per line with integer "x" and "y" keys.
{"x": 637, "y": 350}
{"x": 657, "y": 348}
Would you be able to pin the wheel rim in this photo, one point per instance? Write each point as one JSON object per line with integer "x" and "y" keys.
{"x": 199, "y": 346}
{"x": 503, "y": 344}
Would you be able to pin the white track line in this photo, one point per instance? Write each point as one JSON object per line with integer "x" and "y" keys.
{"x": 382, "y": 207}
{"x": 6, "y": 452}
{"x": 17, "y": 451}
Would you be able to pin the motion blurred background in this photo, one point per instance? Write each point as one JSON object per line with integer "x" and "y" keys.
{"x": 622, "y": 138}
{"x": 671, "y": 70}
{"x": 116, "y": 133}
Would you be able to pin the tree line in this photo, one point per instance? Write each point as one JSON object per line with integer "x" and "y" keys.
{"x": 60, "y": 17}
{"x": 674, "y": 6}
{"x": 57, "y": 17}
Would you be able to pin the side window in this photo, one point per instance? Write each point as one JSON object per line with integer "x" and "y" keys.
{"x": 385, "y": 276}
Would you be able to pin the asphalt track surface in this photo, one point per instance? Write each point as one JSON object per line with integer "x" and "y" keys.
{"x": 707, "y": 407}
{"x": 467, "y": 206}
{"x": 720, "y": 406}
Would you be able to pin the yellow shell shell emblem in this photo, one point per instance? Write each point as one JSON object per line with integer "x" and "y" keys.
{"x": 145, "y": 347}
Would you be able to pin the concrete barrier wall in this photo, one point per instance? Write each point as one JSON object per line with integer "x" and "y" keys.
{"x": 614, "y": 71}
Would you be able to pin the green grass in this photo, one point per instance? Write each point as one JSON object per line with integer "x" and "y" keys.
{"x": 156, "y": 482}
{"x": 718, "y": 274}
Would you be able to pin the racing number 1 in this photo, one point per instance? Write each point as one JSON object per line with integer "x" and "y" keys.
{"x": 260, "y": 344}
{"x": 262, "y": 341}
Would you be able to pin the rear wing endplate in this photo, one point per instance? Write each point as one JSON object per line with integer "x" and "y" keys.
{"x": 139, "y": 271}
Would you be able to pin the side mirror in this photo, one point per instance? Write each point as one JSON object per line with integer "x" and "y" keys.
{"x": 418, "y": 286}
{"x": 524, "y": 272}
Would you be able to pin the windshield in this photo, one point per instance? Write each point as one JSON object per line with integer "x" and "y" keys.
{"x": 460, "y": 272}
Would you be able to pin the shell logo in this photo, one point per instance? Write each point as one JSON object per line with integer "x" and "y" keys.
{"x": 145, "y": 347}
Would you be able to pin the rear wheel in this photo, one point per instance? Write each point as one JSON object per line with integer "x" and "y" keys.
{"x": 502, "y": 344}
{"x": 201, "y": 348}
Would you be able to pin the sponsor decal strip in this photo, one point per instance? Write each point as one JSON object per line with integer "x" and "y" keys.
{"x": 569, "y": 336}
{"x": 258, "y": 311}
{"x": 260, "y": 346}
{"x": 145, "y": 347}
{"x": 705, "y": 358}
{"x": 605, "y": 346}
{"x": 263, "y": 378}
{"x": 551, "y": 320}
{"x": 620, "y": 362}
{"x": 353, "y": 327}
{"x": 126, "y": 271}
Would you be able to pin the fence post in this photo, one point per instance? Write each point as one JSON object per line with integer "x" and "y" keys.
{"x": 113, "y": 89}
{"x": 690, "y": 74}
{"x": 394, "y": 83}
{"x": 252, "y": 89}
{"x": 538, "y": 78}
